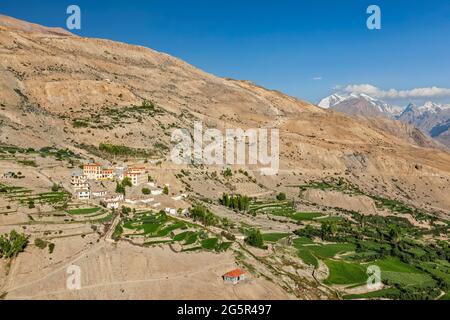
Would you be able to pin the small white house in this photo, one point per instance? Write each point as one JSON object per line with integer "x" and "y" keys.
{"x": 112, "y": 204}
{"x": 156, "y": 192}
{"x": 83, "y": 194}
{"x": 100, "y": 193}
{"x": 180, "y": 197}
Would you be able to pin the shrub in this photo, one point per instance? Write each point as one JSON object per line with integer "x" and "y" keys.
{"x": 146, "y": 191}
{"x": 281, "y": 196}
{"x": 255, "y": 239}
{"x": 41, "y": 244}
{"x": 227, "y": 173}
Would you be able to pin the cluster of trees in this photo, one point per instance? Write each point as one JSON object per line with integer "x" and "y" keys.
{"x": 328, "y": 231}
{"x": 203, "y": 214}
{"x": 118, "y": 150}
{"x": 121, "y": 186}
{"x": 238, "y": 202}
{"x": 11, "y": 245}
{"x": 255, "y": 239}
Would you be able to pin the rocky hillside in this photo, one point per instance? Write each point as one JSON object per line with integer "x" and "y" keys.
{"x": 76, "y": 93}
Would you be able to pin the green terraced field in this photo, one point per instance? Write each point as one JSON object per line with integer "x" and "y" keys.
{"x": 330, "y": 250}
{"x": 82, "y": 211}
{"x": 345, "y": 272}
{"x": 307, "y": 257}
{"x": 274, "y": 237}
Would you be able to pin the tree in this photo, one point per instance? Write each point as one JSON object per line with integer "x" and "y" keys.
{"x": 166, "y": 190}
{"x": 394, "y": 232}
{"x": 201, "y": 213}
{"x": 146, "y": 191}
{"x": 55, "y": 187}
{"x": 120, "y": 188}
{"x": 126, "y": 182}
{"x": 14, "y": 244}
{"x": 255, "y": 239}
{"x": 239, "y": 202}
{"x": 227, "y": 173}
{"x": 328, "y": 228}
{"x": 126, "y": 210}
{"x": 281, "y": 196}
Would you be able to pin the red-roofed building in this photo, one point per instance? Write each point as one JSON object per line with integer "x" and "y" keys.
{"x": 92, "y": 171}
{"x": 235, "y": 276}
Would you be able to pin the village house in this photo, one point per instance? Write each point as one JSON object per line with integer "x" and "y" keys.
{"x": 235, "y": 276}
{"x": 114, "y": 201}
{"x": 107, "y": 174}
{"x": 99, "y": 193}
{"x": 78, "y": 180}
{"x": 92, "y": 171}
{"x": 136, "y": 175}
{"x": 111, "y": 204}
{"x": 83, "y": 194}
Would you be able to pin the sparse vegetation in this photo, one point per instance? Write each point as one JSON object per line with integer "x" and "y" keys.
{"x": 11, "y": 245}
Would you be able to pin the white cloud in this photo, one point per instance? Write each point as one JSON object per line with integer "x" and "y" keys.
{"x": 317, "y": 78}
{"x": 428, "y": 92}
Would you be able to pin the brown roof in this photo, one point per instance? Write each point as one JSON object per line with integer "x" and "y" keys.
{"x": 234, "y": 273}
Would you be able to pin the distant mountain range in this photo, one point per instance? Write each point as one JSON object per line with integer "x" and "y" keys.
{"x": 431, "y": 118}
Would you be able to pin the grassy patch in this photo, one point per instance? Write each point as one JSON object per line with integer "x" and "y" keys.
{"x": 274, "y": 237}
{"x": 307, "y": 257}
{"x": 345, "y": 272}
{"x": 83, "y": 211}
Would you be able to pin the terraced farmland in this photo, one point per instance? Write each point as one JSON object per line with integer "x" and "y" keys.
{"x": 149, "y": 228}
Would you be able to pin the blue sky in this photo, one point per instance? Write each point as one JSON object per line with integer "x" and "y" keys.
{"x": 280, "y": 44}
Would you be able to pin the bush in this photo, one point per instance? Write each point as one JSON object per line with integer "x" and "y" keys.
{"x": 55, "y": 187}
{"x": 227, "y": 173}
{"x": 146, "y": 191}
{"x": 31, "y": 204}
{"x": 166, "y": 190}
{"x": 126, "y": 210}
{"x": 255, "y": 239}
{"x": 41, "y": 244}
{"x": 281, "y": 196}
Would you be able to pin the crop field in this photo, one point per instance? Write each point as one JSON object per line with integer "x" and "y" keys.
{"x": 274, "y": 237}
{"x": 159, "y": 228}
{"x": 283, "y": 209}
{"x": 25, "y": 196}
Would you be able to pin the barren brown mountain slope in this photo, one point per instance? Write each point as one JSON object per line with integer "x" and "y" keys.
{"x": 50, "y": 80}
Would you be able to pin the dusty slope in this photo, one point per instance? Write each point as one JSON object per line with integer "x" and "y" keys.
{"x": 49, "y": 80}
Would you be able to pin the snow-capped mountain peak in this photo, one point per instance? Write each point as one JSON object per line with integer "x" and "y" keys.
{"x": 331, "y": 101}
{"x": 370, "y": 105}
